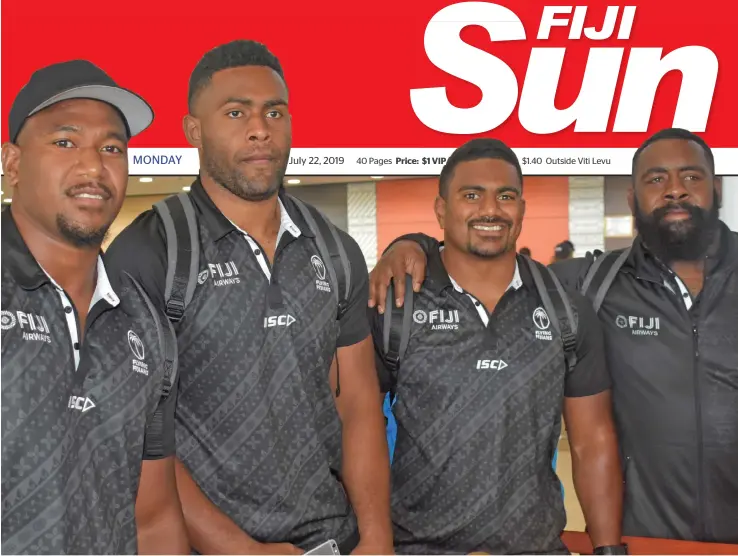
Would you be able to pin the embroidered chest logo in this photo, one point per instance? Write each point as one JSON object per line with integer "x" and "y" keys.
{"x": 639, "y": 326}
{"x": 320, "y": 271}
{"x": 34, "y": 327}
{"x": 439, "y": 319}
{"x": 542, "y": 323}
{"x": 223, "y": 274}
{"x": 139, "y": 353}
{"x": 80, "y": 403}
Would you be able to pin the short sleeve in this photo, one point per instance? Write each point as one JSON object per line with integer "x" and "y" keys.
{"x": 385, "y": 376}
{"x": 590, "y": 375}
{"x": 354, "y": 326}
{"x": 141, "y": 251}
{"x": 427, "y": 243}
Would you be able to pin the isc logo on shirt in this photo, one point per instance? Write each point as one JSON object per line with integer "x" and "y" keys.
{"x": 494, "y": 364}
{"x": 278, "y": 320}
{"x": 80, "y": 403}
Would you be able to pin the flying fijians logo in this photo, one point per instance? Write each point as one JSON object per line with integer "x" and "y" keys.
{"x": 320, "y": 272}
{"x": 202, "y": 277}
{"x": 139, "y": 353}
{"x": 542, "y": 322}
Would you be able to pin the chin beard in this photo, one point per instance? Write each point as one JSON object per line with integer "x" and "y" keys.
{"x": 240, "y": 185}
{"x": 80, "y": 236}
{"x": 683, "y": 240}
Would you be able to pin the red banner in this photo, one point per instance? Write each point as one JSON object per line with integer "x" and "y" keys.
{"x": 428, "y": 74}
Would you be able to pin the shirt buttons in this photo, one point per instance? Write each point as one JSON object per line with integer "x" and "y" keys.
{"x": 67, "y": 309}
{"x": 76, "y": 346}
{"x": 257, "y": 252}
{"x": 477, "y": 303}
{"x": 685, "y": 295}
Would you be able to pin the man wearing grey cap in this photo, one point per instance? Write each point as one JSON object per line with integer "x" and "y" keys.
{"x": 89, "y": 368}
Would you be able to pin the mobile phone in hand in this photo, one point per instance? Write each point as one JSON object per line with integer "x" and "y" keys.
{"x": 328, "y": 548}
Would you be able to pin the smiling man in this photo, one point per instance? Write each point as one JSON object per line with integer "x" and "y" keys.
{"x": 669, "y": 308}
{"x": 487, "y": 372}
{"x": 89, "y": 366}
{"x": 279, "y": 433}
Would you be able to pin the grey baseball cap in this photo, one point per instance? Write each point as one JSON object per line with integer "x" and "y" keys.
{"x": 77, "y": 79}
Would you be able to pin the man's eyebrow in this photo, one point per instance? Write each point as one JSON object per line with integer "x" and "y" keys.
{"x": 71, "y": 128}
{"x": 662, "y": 170}
{"x": 249, "y": 102}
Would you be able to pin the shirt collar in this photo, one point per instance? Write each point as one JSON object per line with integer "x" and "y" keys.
{"x": 29, "y": 275}
{"x": 439, "y": 278}
{"x": 285, "y": 224}
{"x": 103, "y": 288}
{"x": 290, "y": 218}
{"x": 645, "y": 265}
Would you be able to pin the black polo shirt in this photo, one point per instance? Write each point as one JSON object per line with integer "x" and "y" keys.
{"x": 77, "y": 419}
{"x": 674, "y": 365}
{"x": 256, "y": 420}
{"x": 478, "y": 410}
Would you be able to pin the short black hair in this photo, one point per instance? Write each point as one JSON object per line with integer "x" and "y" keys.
{"x": 234, "y": 54}
{"x": 475, "y": 150}
{"x": 674, "y": 133}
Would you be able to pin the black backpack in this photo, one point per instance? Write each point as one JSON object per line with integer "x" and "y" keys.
{"x": 398, "y": 320}
{"x": 183, "y": 252}
{"x": 601, "y": 275}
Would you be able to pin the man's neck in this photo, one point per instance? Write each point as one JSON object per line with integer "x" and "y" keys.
{"x": 485, "y": 278}
{"x": 691, "y": 273}
{"x": 259, "y": 219}
{"x": 73, "y": 268}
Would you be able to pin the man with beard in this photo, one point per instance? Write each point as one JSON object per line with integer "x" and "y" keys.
{"x": 669, "y": 307}
{"x": 278, "y": 452}
{"x": 480, "y": 389}
{"x": 89, "y": 366}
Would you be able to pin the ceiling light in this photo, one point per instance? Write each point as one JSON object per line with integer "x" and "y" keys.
{"x": 145, "y": 180}
{"x": 376, "y": 177}
{"x": 186, "y": 188}
{"x": 293, "y": 181}
{"x": 7, "y": 201}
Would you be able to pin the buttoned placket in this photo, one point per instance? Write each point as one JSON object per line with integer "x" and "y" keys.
{"x": 285, "y": 224}
{"x": 103, "y": 291}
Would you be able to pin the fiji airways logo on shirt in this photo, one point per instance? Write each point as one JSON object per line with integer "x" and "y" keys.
{"x": 137, "y": 348}
{"x": 223, "y": 274}
{"x": 33, "y": 327}
{"x": 320, "y": 271}
{"x": 639, "y": 326}
{"x": 439, "y": 319}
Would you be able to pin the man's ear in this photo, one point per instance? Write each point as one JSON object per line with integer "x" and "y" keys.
{"x": 718, "y": 184}
{"x": 11, "y": 156}
{"x": 192, "y": 130}
{"x": 631, "y": 199}
{"x": 440, "y": 210}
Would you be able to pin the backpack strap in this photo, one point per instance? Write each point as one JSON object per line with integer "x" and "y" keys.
{"x": 183, "y": 252}
{"x": 601, "y": 275}
{"x": 397, "y": 324}
{"x": 558, "y": 306}
{"x": 331, "y": 249}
